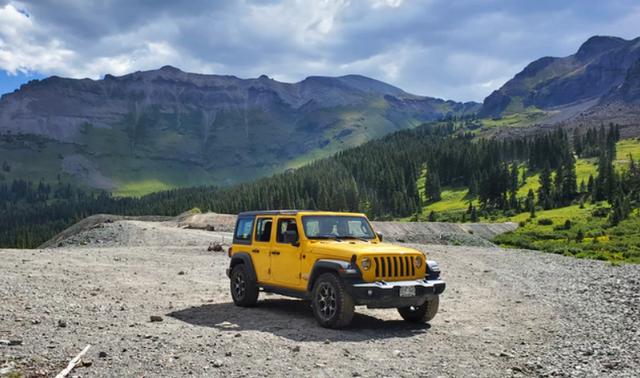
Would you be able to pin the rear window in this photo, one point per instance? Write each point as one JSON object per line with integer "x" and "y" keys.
{"x": 244, "y": 226}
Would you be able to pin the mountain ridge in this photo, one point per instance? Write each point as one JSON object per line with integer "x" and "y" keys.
{"x": 599, "y": 65}
{"x": 222, "y": 129}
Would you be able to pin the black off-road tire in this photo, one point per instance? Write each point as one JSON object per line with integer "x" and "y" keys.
{"x": 244, "y": 290}
{"x": 331, "y": 304}
{"x": 421, "y": 314}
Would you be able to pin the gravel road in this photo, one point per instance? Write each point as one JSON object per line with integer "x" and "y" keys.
{"x": 504, "y": 313}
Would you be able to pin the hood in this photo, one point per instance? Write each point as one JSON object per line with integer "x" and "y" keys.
{"x": 350, "y": 247}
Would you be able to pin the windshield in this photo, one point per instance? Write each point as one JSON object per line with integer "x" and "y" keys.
{"x": 337, "y": 227}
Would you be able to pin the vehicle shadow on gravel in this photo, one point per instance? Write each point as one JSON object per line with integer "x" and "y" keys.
{"x": 293, "y": 320}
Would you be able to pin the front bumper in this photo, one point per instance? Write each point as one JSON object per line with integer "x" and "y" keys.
{"x": 382, "y": 294}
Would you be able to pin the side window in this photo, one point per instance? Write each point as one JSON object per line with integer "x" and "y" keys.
{"x": 263, "y": 229}
{"x": 244, "y": 226}
{"x": 287, "y": 231}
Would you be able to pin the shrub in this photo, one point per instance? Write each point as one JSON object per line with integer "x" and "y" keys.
{"x": 510, "y": 213}
{"x": 600, "y": 212}
{"x": 565, "y": 226}
{"x": 545, "y": 222}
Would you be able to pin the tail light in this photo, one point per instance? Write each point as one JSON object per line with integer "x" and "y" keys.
{"x": 229, "y": 252}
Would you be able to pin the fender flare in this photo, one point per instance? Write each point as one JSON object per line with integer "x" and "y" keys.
{"x": 323, "y": 265}
{"x": 433, "y": 270}
{"x": 243, "y": 258}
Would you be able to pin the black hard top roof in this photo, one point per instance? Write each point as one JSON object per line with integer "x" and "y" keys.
{"x": 275, "y": 212}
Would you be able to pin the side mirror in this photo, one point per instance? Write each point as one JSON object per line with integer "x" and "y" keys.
{"x": 379, "y": 235}
{"x": 291, "y": 237}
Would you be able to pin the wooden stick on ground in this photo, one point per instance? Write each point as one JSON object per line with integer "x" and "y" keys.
{"x": 73, "y": 363}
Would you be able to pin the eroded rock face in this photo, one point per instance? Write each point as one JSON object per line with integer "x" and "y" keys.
{"x": 600, "y": 65}
{"x": 630, "y": 90}
{"x": 58, "y": 108}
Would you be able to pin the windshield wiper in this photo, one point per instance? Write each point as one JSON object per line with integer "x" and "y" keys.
{"x": 353, "y": 237}
{"x": 332, "y": 237}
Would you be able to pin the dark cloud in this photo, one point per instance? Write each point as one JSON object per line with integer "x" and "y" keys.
{"x": 451, "y": 49}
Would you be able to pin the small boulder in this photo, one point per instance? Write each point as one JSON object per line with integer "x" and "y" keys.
{"x": 155, "y": 318}
{"x": 215, "y": 247}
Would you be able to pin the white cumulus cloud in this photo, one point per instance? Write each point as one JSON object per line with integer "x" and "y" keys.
{"x": 460, "y": 50}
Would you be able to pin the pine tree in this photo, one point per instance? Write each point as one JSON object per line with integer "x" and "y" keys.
{"x": 432, "y": 187}
{"x": 545, "y": 192}
{"x": 569, "y": 188}
{"x": 474, "y": 214}
{"x": 605, "y": 180}
{"x": 513, "y": 187}
{"x": 530, "y": 203}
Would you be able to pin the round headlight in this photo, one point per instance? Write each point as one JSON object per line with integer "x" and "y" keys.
{"x": 417, "y": 262}
{"x": 366, "y": 263}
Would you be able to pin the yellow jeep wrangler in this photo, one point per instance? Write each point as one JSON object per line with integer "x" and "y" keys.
{"x": 335, "y": 260}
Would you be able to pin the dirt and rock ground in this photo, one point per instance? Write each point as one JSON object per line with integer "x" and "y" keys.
{"x": 504, "y": 313}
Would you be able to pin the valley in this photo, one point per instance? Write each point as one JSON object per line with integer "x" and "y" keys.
{"x": 163, "y": 141}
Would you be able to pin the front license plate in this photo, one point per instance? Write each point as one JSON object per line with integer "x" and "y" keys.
{"x": 407, "y": 291}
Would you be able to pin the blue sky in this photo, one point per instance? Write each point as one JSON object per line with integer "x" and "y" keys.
{"x": 10, "y": 82}
{"x": 459, "y": 50}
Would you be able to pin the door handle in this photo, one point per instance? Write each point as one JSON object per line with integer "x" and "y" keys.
{"x": 275, "y": 252}
{"x": 255, "y": 250}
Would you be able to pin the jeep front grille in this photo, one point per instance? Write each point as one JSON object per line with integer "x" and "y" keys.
{"x": 390, "y": 267}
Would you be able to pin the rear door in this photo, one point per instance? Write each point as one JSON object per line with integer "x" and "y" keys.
{"x": 261, "y": 246}
{"x": 285, "y": 257}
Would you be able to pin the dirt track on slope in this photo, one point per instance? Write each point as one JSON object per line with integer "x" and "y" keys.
{"x": 503, "y": 313}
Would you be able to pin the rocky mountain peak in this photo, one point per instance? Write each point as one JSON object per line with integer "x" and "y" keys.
{"x": 168, "y": 68}
{"x": 599, "y": 66}
{"x": 597, "y": 45}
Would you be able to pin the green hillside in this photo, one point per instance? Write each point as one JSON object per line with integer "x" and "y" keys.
{"x": 455, "y": 199}
{"x": 581, "y": 231}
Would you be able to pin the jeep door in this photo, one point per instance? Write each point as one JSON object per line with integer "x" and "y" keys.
{"x": 261, "y": 247}
{"x": 285, "y": 253}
